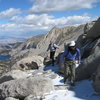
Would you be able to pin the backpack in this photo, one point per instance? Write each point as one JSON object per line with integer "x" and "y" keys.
{"x": 54, "y": 47}
{"x": 68, "y": 52}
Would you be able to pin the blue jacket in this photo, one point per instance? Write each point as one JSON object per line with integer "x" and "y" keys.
{"x": 68, "y": 55}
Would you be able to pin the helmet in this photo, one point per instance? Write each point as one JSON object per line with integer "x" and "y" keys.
{"x": 72, "y": 43}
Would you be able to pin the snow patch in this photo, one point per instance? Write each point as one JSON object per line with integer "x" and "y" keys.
{"x": 83, "y": 90}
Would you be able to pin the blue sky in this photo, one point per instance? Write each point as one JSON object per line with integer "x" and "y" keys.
{"x": 23, "y": 18}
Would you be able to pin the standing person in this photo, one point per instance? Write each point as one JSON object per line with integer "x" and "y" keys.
{"x": 69, "y": 57}
{"x": 52, "y": 47}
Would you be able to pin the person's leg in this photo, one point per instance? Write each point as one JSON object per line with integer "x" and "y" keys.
{"x": 53, "y": 53}
{"x": 66, "y": 71}
{"x": 52, "y": 57}
{"x": 72, "y": 76}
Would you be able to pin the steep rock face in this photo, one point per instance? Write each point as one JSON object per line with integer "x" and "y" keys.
{"x": 95, "y": 31}
{"x": 5, "y": 66}
{"x": 83, "y": 38}
{"x": 24, "y": 87}
{"x": 90, "y": 64}
{"x": 5, "y": 48}
{"x": 91, "y": 53}
{"x": 57, "y": 35}
{"x": 30, "y": 43}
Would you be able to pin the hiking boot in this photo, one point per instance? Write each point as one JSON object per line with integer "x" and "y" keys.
{"x": 72, "y": 84}
{"x": 65, "y": 80}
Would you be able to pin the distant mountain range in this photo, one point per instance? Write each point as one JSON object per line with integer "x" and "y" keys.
{"x": 9, "y": 39}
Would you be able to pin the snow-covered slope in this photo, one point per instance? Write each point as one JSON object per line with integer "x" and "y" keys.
{"x": 83, "y": 90}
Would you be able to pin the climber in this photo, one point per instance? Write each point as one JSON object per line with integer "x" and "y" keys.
{"x": 69, "y": 57}
{"x": 52, "y": 47}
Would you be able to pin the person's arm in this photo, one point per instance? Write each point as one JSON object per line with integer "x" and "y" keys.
{"x": 79, "y": 56}
{"x": 56, "y": 46}
{"x": 64, "y": 55}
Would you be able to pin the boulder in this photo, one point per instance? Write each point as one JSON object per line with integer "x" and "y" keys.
{"x": 31, "y": 97}
{"x": 90, "y": 64}
{"x": 12, "y": 75}
{"x": 33, "y": 62}
{"x": 23, "y": 87}
{"x": 60, "y": 61}
{"x": 47, "y": 61}
{"x": 96, "y": 83}
{"x": 10, "y": 98}
{"x": 90, "y": 49}
{"x": 18, "y": 74}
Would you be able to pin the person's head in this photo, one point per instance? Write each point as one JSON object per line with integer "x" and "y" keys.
{"x": 51, "y": 42}
{"x": 72, "y": 45}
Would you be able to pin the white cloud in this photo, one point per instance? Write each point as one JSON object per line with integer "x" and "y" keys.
{"x": 17, "y": 29}
{"x": 42, "y": 19}
{"x": 46, "y": 20}
{"x": 43, "y": 22}
{"x": 44, "y": 6}
{"x": 9, "y": 13}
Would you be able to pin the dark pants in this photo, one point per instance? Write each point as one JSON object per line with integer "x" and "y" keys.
{"x": 52, "y": 53}
{"x": 69, "y": 71}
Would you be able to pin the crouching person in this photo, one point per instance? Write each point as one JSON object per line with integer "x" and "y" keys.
{"x": 69, "y": 57}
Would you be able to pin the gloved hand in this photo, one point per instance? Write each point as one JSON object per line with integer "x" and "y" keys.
{"x": 62, "y": 65}
{"x": 77, "y": 62}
